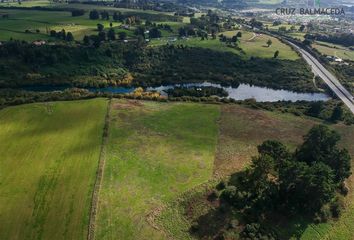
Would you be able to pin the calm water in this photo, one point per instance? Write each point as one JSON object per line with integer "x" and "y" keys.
{"x": 244, "y": 91}
{"x": 260, "y": 94}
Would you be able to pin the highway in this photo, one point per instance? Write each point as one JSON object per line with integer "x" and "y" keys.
{"x": 332, "y": 82}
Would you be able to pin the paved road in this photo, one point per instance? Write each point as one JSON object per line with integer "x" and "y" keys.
{"x": 332, "y": 82}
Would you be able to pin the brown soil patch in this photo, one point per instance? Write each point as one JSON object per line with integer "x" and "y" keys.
{"x": 242, "y": 129}
{"x": 127, "y": 104}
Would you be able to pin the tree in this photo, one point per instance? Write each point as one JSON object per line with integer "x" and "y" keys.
{"x": 105, "y": 15}
{"x": 239, "y": 35}
{"x": 337, "y": 113}
{"x": 234, "y": 39}
{"x": 86, "y": 40}
{"x": 122, "y": 35}
{"x": 140, "y": 31}
{"x": 102, "y": 36}
{"x": 94, "y": 14}
{"x": 182, "y": 32}
{"x": 320, "y": 145}
{"x": 276, "y": 54}
{"x": 148, "y": 23}
{"x": 77, "y": 12}
{"x": 269, "y": 42}
{"x": 111, "y": 35}
{"x": 276, "y": 150}
{"x": 100, "y": 27}
{"x": 315, "y": 108}
{"x": 69, "y": 37}
{"x": 302, "y": 28}
{"x": 307, "y": 42}
{"x": 53, "y": 33}
{"x": 290, "y": 183}
{"x": 154, "y": 33}
{"x": 117, "y": 16}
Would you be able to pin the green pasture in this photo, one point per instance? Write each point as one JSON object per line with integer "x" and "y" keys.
{"x": 155, "y": 152}
{"x": 49, "y": 157}
{"x": 253, "y": 45}
{"x": 334, "y": 50}
{"x": 21, "y": 20}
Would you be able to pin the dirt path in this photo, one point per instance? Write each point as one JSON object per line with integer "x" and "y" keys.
{"x": 99, "y": 176}
{"x": 253, "y": 37}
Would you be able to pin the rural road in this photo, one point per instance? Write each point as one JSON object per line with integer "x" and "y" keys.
{"x": 332, "y": 82}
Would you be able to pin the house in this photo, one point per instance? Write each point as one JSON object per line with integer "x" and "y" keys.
{"x": 39, "y": 43}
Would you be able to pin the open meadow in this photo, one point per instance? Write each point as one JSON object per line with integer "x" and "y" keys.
{"x": 49, "y": 157}
{"x": 155, "y": 152}
{"x": 159, "y": 160}
{"x": 38, "y": 23}
{"x": 334, "y": 50}
{"x": 19, "y": 21}
{"x": 253, "y": 45}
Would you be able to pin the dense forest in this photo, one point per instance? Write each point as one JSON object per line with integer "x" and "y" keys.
{"x": 136, "y": 64}
{"x": 345, "y": 39}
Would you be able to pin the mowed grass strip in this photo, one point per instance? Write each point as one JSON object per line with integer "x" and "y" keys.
{"x": 155, "y": 152}
{"x": 48, "y": 162}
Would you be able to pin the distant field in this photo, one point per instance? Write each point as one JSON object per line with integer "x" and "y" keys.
{"x": 21, "y": 20}
{"x": 251, "y": 44}
{"x": 155, "y": 152}
{"x": 33, "y": 3}
{"x": 298, "y": 35}
{"x": 334, "y": 50}
{"x": 49, "y": 157}
{"x": 270, "y": 1}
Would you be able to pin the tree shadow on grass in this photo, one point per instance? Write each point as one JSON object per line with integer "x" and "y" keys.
{"x": 210, "y": 225}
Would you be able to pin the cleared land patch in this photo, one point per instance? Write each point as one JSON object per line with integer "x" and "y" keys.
{"x": 155, "y": 152}
{"x": 240, "y": 131}
{"x": 253, "y": 45}
{"x": 49, "y": 157}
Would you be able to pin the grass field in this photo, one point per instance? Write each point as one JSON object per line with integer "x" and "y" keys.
{"x": 251, "y": 44}
{"x": 21, "y": 20}
{"x": 155, "y": 152}
{"x": 240, "y": 131}
{"x": 334, "y": 50}
{"x": 49, "y": 156}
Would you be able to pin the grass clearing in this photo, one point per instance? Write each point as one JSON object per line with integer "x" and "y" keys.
{"x": 155, "y": 152}
{"x": 49, "y": 157}
{"x": 334, "y": 50}
{"x": 251, "y": 44}
{"x": 21, "y": 20}
{"x": 240, "y": 131}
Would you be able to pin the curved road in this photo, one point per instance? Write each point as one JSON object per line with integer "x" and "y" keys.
{"x": 332, "y": 82}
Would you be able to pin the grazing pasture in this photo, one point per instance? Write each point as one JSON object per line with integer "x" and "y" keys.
{"x": 334, "y": 50}
{"x": 48, "y": 162}
{"x": 240, "y": 131}
{"x": 19, "y": 21}
{"x": 160, "y": 161}
{"x": 155, "y": 152}
{"x": 252, "y": 45}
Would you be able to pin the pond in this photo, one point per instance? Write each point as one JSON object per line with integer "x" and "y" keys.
{"x": 242, "y": 92}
